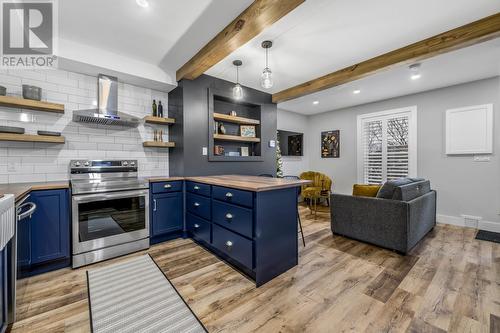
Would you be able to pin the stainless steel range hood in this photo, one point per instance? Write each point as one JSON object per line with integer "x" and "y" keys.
{"x": 107, "y": 101}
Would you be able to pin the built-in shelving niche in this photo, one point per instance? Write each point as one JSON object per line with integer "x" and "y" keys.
{"x": 220, "y": 107}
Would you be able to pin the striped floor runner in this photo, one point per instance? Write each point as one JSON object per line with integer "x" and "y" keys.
{"x": 135, "y": 296}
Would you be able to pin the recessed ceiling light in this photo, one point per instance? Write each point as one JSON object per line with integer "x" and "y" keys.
{"x": 142, "y": 3}
{"x": 415, "y": 76}
{"x": 316, "y": 102}
{"x": 355, "y": 92}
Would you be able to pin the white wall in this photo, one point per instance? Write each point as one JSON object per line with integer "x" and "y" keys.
{"x": 31, "y": 162}
{"x": 291, "y": 121}
{"x": 464, "y": 186}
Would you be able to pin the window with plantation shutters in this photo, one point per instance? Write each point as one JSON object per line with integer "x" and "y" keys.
{"x": 387, "y": 144}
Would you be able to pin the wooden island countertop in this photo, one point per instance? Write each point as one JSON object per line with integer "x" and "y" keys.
{"x": 249, "y": 183}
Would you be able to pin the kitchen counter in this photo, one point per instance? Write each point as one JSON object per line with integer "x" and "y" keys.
{"x": 21, "y": 189}
{"x": 164, "y": 179}
{"x": 249, "y": 183}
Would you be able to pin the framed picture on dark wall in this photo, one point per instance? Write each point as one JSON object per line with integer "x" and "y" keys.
{"x": 330, "y": 144}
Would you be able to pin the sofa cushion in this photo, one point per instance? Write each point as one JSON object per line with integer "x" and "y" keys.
{"x": 387, "y": 190}
{"x": 411, "y": 191}
{"x": 365, "y": 190}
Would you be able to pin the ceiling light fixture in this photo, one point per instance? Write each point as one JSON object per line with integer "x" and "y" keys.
{"x": 357, "y": 91}
{"x": 237, "y": 89}
{"x": 415, "y": 71}
{"x": 316, "y": 102}
{"x": 266, "y": 78}
{"x": 142, "y": 3}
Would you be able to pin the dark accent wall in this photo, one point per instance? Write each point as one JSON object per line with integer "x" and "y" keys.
{"x": 188, "y": 104}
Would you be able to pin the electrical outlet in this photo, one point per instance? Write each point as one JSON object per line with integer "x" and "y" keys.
{"x": 482, "y": 158}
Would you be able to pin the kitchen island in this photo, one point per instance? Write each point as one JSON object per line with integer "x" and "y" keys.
{"x": 250, "y": 222}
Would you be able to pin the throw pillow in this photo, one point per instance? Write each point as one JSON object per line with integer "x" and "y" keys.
{"x": 364, "y": 190}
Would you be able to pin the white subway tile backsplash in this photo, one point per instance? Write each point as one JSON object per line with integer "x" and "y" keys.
{"x": 100, "y": 139}
{"x": 29, "y": 162}
{"x": 27, "y": 178}
{"x": 62, "y": 81}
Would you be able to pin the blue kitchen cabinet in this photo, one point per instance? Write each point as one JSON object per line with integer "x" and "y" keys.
{"x": 44, "y": 240}
{"x": 167, "y": 215}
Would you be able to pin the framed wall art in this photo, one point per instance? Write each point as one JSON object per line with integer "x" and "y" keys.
{"x": 330, "y": 144}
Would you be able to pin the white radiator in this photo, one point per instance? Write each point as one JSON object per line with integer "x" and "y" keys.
{"x": 7, "y": 219}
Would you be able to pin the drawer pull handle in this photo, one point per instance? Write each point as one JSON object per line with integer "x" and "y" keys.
{"x": 196, "y": 204}
{"x": 167, "y": 186}
{"x": 229, "y": 216}
{"x": 196, "y": 226}
{"x": 196, "y": 188}
{"x": 229, "y": 244}
{"x": 229, "y": 195}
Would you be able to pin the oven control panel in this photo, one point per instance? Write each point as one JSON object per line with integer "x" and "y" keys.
{"x": 103, "y": 165}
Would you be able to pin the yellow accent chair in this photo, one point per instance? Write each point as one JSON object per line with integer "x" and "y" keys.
{"x": 321, "y": 187}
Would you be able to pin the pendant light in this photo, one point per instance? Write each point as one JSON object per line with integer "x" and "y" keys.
{"x": 237, "y": 89}
{"x": 266, "y": 79}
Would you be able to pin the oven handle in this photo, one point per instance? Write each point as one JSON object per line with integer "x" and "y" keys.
{"x": 112, "y": 195}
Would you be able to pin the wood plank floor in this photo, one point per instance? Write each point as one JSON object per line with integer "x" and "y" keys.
{"x": 450, "y": 282}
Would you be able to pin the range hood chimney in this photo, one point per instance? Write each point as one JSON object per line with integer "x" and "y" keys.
{"x": 107, "y": 101}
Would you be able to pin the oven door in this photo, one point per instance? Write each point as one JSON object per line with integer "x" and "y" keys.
{"x": 107, "y": 219}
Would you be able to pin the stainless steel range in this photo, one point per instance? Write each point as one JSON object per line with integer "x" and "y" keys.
{"x": 110, "y": 210}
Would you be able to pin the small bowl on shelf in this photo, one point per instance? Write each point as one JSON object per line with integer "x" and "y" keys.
{"x": 32, "y": 92}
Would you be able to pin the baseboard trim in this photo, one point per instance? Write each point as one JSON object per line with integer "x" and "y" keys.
{"x": 458, "y": 221}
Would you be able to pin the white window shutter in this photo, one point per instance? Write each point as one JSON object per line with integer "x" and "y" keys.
{"x": 387, "y": 145}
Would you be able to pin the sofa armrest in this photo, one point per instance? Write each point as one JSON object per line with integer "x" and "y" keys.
{"x": 381, "y": 222}
{"x": 422, "y": 217}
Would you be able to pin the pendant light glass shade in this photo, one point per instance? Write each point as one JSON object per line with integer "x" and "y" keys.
{"x": 266, "y": 79}
{"x": 237, "y": 91}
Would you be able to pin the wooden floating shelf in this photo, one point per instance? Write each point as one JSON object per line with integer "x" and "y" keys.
{"x": 158, "y": 144}
{"x": 236, "y": 120}
{"x": 22, "y": 103}
{"x": 234, "y": 138}
{"x": 159, "y": 120}
{"x": 31, "y": 138}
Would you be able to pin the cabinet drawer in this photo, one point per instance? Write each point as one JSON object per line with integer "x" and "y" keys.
{"x": 233, "y": 217}
{"x": 198, "y": 205}
{"x": 165, "y": 187}
{"x": 199, "y": 228}
{"x": 235, "y": 246}
{"x": 237, "y": 197}
{"x": 198, "y": 188}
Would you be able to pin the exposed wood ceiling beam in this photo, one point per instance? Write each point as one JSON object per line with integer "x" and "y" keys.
{"x": 252, "y": 21}
{"x": 466, "y": 35}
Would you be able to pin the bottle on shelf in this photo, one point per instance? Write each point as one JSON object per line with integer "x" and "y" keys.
{"x": 155, "y": 110}
{"x": 160, "y": 109}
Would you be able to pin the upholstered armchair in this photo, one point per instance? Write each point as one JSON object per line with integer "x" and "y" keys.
{"x": 320, "y": 187}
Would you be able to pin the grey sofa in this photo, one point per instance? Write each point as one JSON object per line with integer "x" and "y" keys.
{"x": 398, "y": 223}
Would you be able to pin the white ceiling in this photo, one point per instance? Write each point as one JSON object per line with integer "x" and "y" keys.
{"x": 167, "y": 33}
{"x": 469, "y": 64}
{"x": 322, "y": 36}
